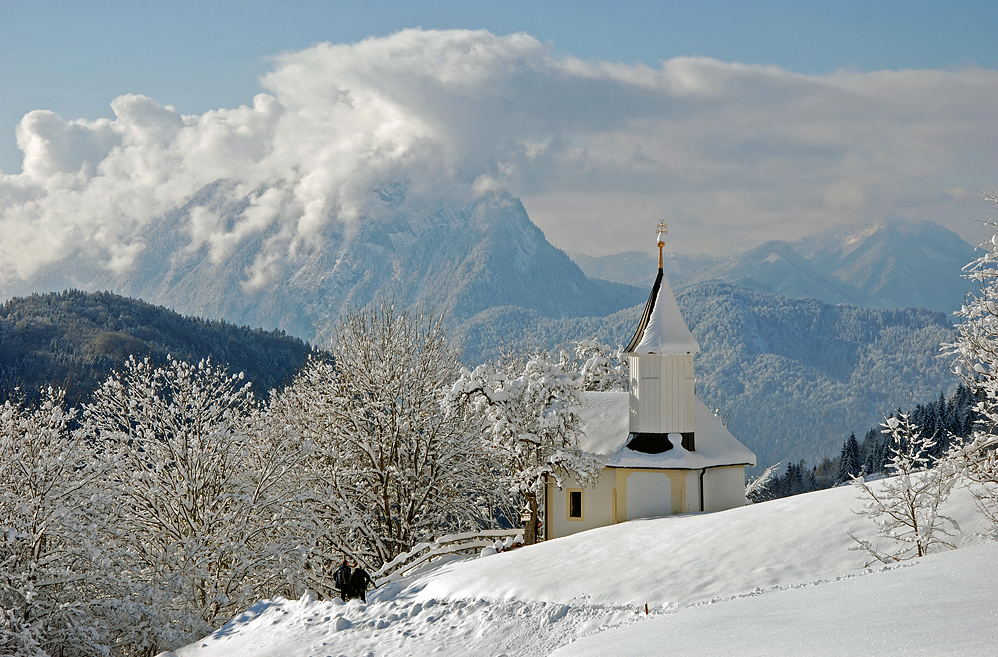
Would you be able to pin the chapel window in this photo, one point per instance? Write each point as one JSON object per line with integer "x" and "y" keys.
{"x": 575, "y": 504}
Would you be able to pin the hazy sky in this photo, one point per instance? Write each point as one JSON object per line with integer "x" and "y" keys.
{"x": 736, "y": 122}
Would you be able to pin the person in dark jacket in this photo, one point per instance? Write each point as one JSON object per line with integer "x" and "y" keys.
{"x": 359, "y": 580}
{"x": 342, "y": 579}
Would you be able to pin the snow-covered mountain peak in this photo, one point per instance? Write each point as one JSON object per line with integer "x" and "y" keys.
{"x": 895, "y": 262}
{"x": 225, "y": 254}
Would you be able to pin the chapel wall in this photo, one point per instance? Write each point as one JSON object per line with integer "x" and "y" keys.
{"x": 724, "y": 488}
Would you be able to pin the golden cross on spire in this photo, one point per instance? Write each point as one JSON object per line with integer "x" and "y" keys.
{"x": 660, "y": 233}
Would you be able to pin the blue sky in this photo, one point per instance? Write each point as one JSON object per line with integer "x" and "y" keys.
{"x": 74, "y": 57}
{"x": 737, "y": 122}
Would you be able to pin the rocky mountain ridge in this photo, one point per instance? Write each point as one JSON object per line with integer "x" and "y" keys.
{"x": 457, "y": 259}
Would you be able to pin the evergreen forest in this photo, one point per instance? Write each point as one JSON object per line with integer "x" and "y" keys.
{"x": 943, "y": 421}
{"x": 74, "y": 340}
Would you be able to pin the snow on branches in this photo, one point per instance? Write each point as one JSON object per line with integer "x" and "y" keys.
{"x": 757, "y": 490}
{"x": 46, "y": 569}
{"x": 194, "y": 498}
{"x": 905, "y": 506}
{"x": 388, "y": 469}
{"x": 602, "y": 367}
{"x": 975, "y": 356}
{"x": 530, "y": 408}
{"x": 177, "y": 498}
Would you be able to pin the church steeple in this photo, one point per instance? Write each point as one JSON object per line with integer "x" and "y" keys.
{"x": 660, "y": 356}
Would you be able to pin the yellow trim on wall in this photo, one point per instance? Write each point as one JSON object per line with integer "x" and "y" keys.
{"x": 621, "y": 494}
{"x": 678, "y": 490}
{"x": 677, "y": 479}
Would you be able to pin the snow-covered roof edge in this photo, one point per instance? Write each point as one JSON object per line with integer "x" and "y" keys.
{"x": 605, "y": 433}
{"x": 662, "y": 329}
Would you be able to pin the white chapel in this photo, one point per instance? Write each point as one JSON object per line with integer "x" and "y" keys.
{"x": 664, "y": 452}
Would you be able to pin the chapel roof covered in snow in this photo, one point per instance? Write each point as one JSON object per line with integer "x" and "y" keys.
{"x": 605, "y": 418}
{"x": 662, "y": 329}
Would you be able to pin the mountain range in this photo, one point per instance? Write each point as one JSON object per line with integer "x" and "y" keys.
{"x": 887, "y": 264}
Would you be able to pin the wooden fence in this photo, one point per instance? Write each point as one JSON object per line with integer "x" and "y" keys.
{"x": 449, "y": 544}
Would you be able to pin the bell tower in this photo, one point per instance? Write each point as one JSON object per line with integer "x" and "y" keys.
{"x": 660, "y": 356}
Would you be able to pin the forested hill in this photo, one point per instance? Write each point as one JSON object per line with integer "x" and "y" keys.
{"x": 75, "y": 339}
{"x": 796, "y": 376}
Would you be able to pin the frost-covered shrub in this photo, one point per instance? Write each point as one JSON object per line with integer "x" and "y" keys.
{"x": 387, "y": 469}
{"x": 759, "y": 489}
{"x": 195, "y": 499}
{"x": 905, "y": 506}
{"x": 49, "y": 581}
{"x": 528, "y": 408}
{"x": 975, "y": 354}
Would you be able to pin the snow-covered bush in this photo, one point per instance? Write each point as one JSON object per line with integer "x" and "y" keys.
{"x": 529, "y": 406}
{"x": 49, "y": 583}
{"x": 194, "y": 498}
{"x": 387, "y": 469}
{"x": 905, "y": 506}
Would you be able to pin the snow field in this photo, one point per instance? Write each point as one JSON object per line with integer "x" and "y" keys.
{"x": 679, "y": 560}
{"x": 403, "y": 626}
{"x": 943, "y": 604}
{"x": 767, "y": 579}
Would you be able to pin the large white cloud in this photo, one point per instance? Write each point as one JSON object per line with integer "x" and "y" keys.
{"x": 729, "y": 154}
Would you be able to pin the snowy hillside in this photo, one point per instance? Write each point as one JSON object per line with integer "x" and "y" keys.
{"x": 776, "y": 578}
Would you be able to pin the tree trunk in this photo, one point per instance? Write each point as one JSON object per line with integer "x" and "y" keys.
{"x": 530, "y": 531}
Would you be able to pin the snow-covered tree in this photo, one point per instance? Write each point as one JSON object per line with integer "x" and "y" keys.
{"x": 603, "y": 368}
{"x": 387, "y": 468}
{"x": 905, "y": 506}
{"x": 758, "y": 489}
{"x": 48, "y": 580}
{"x": 975, "y": 354}
{"x": 196, "y": 497}
{"x": 530, "y": 406}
